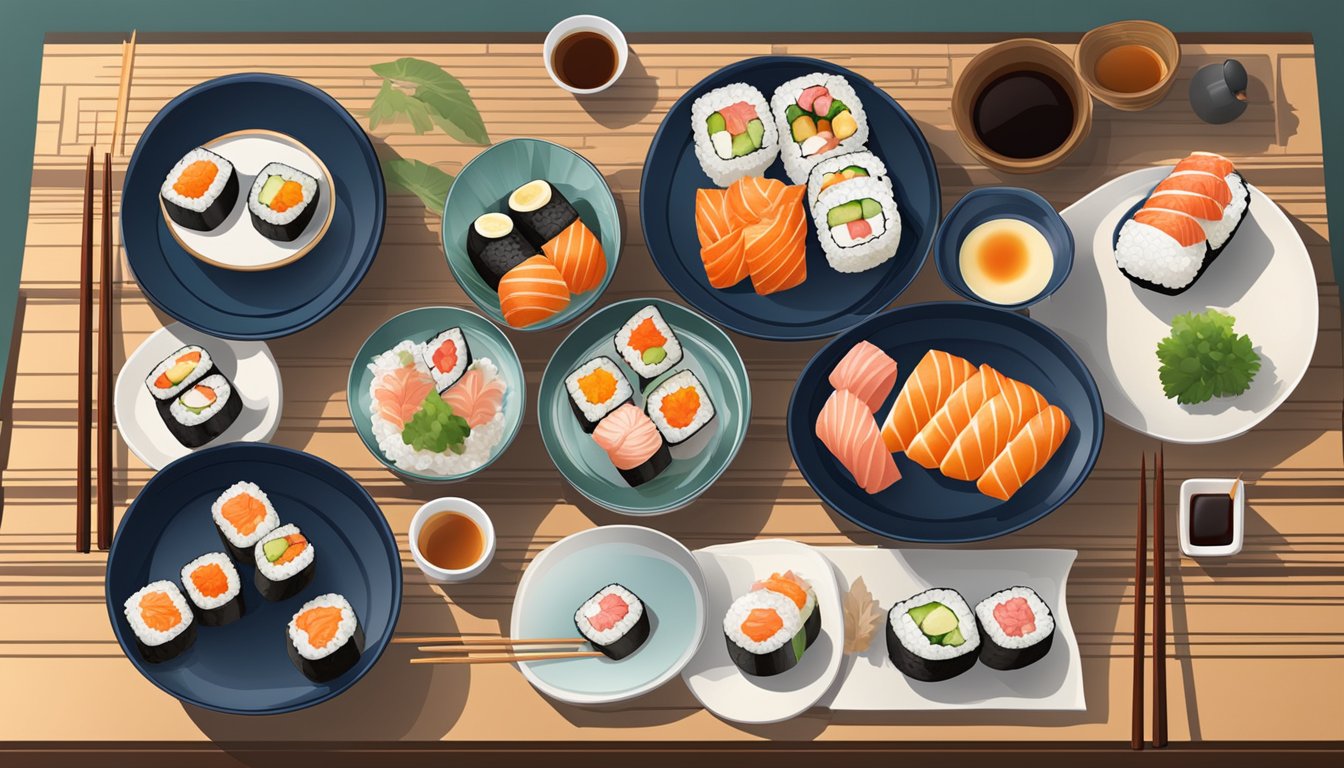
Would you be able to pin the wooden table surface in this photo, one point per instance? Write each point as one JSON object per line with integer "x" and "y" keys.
{"x": 1265, "y": 626}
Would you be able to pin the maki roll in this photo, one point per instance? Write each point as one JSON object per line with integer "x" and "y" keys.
{"x": 1017, "y": 627}
{"x": 447, "y": 357}
{"x": 495, "y": 246}
{"x": 161, "y": 621}
{"x": 614, "y": 621}
{"x": 214, "y": 588}
{"x": 800, "y": 591}
{"x": 540, "y": 211}
{"x": 324, "y": 638}
{"x": 178, "y": 371}
{"x": 837, "y": 169}
{"x": 647, "y": 344}
{"x": 932, "y": 636}
{"x": 680, "y": 407}
{"x": 243, "y": 515}
{"x": 633, "y": 444}
{"x": 817, "y": 115}
{"x": 764, "y": 633}
{"x": 200, "y": 191}
{"x": 202, "y": 412}
{"x": 858, "y": 225}
{"x": 596, "y": 388}
{"x": 284, "y": 563}
{"x": 734, "y": 133}
{"x": 282, "y": 201}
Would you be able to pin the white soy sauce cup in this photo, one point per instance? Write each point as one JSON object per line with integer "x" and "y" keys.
{"x": 467, "y": 509}
{"x": 577, "y": 25}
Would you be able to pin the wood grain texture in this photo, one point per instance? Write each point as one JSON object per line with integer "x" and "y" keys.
{"x": 1225, "y": 622}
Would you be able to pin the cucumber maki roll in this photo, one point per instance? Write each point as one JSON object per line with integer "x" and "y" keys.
{"x": 495, "y": 246}
{"x": 1017, "y": 627}
{"x": 243, "y": 515}
{"x": 932, "y": 636}
{"x": 161, "y": 621}
{"x": 200, "y": 191}
{"x": 595, "y": 389}
{"x": 858, "y": 225}
{"x": 540, "y": 211}
{"x": 614, "y": 620}
{"x": 764, "y": 632}
{"x": 213, "y": 585}
{"x": 324, "y": 638}
{"x": 203, "y": 412}
{"x": 282, "y": 201}
{"x": 284, "y": 561}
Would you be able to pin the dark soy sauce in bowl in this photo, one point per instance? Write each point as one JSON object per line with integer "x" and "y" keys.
{"x": 585, "y": 60}
{"x": 1023, "y": 114}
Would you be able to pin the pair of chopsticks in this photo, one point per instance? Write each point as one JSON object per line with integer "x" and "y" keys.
{"x": 83, "y": 463}
{"x": 1159, "y": 605}
{"x": 505, "y": 650}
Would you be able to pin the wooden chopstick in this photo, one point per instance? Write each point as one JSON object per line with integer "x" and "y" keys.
{"x": 1140, "y": 598}
{"x": 85, "y": 405}
{"x": 105, "y": 301}
{"x": 498, "y": 646}
{"x": 123, "y": 89}
{"x": 486, "y": 640}
{"x": 509, "y": 659}
{"x": 1159, "y": 608}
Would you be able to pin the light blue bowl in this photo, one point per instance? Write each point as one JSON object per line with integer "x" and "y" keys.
{"x": 485, "y": 184}
{"x": 986, "y": 203}
{"x": 483, "y": 339}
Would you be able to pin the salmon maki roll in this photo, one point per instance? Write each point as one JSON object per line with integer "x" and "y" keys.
{"x": 776, "y": 248}
{"x": 866, "y": 371}
{"x": 713, "y": 221}
{"x": 847, "y": 429}
{"x": 933, "y": 442}
{"x": 532, "y": 292}
{"x": 1026, "y": 454}
{"x": 994, "y": 425}
{"x": 578, "y": 255}
{"x": 933, "y": 381}
{"x": 634, "y": 444}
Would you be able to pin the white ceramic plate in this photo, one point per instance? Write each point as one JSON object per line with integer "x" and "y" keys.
{"x": 236, "y": 244}
{"x": 248, "y": 364}
{"x": 729, "y": 570}
{"x": 1263, "y": 278}
{"x": 652, "y": 565}
{"x": 870, "y": 681}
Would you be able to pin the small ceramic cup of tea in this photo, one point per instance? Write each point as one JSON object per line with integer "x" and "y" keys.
{"x": 1128, "y": 65}
{"x": 452, "y": 539}
{"x": 585, "y": 54}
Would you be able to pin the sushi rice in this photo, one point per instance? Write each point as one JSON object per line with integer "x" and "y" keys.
{"x": 833, "y": 163}
{"x": 190, "y": 417}
{"x": 280, "y": 218}
{"x": 1219, "y": 232}
{"x": 844, "y": 254}
{"x": 795, "y": 164}
{"x": 1148, "y": 253}
{"x": 1045, "y": 622}
{"x": 203, "y": 367}
{"x": 725, "y": 171}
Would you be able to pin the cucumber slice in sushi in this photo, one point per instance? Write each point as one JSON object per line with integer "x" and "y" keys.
{"x": 282, "y": 201}
{"x": 932, "y": 636}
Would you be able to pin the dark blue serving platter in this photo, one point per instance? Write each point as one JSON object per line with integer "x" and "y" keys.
{"x": 924, "y": 506}
{"x": 244, "y": 667}
{"x": 829, "y": 302}
{"x": 254, "y": 305}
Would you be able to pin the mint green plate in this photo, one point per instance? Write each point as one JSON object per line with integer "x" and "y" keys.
{"x": 485, "y": 184}
{"x": 483, "y": 339}
{"x": 709, "y": 353}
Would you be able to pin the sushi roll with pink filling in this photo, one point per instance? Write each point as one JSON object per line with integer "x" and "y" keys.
{"x": 1016, "y": 628}
{"x": 633, "y": 443}
{"x": 615, "y": 621}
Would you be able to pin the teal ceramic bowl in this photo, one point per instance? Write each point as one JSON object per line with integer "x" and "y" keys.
{"x": 696, "y": 464}
{"x": 484, "y": 340}
{"x": 485, "y": 184}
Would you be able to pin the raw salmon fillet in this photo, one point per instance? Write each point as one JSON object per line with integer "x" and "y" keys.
{"x": 931, "y": 445}
{"x": 750, "y": 198}
{"x": 1183, "y": 228}
{"x": 725, "y": 260}
{"x": 531, "y": 292}
{"x": 776, "y": 248}
{"x": 933, "y": 381}
{"x": 994, "y": 425}
{"x": 400, "y": 393}
{"x": 1026, "y": 454}
{"x": 1203, "y": 182}
{"x": 578, "y": 255}
{"x": 866, "y": 371}
{"x": 1191, "y": 203}
{"x": 847, "y": 429}
{"x": 475, "y": 399}
{"x": 712, "y": 219}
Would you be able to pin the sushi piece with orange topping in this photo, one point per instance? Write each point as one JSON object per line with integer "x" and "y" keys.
{"x": 680, "y": 407}
{"x": 532, "y": 292}
{"x": 764, "y": 632}
{"x": 648, "y": 345}
{"x": 800, "y": 591}
{"x": 633, "y": 444}
{"x": 595, "y": 389}
{"x": 161, "y": 621}
{"x": 212, "y": 583}
{"x": 283, "y": 201}
{"x": 285, "y": 563}
{"x": 243, "y": 515}
{"x": 325, "y": 639}
{"x": 200, "y": 191}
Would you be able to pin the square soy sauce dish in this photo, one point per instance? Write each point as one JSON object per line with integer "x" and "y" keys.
{"x": 1213, "y": 517}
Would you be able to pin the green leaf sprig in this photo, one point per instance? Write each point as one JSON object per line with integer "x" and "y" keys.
{"x": 436, "y": 428}
{"x": 1204, "y": 358}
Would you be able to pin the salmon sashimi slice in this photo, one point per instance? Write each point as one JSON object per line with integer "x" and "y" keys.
{"x": 776, "y": 249}
{"x": 578, "y": 255}
{"x": 1203, "y": 182}
{"x": 476, "y": 399}
{"x": 725, "y": 260}
{"x": 994, "y": 425}
{"x": 930, "y": 446}
{"x": 1192, "y": 203}
{"x": 400, "y": 393}
{"x": 866, "y": 371}
{"x": 751, "y": 197}
{"x": 935, "y": 378}
{"x": 1183, "y": 228}
{"x": 847, "y": 428}
{"x": 1206, "y": 161}
{"x": 713, "y": 221}
{"x": 1026, "y": 454}
{"x": 531, "y": 292}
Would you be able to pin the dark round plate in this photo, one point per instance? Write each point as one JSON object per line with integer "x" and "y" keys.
{"x": 244, "y": 667}
{"x": 829, "y": 302}
{"x": 277, "y": 302}
{"x": 925, "y": 506}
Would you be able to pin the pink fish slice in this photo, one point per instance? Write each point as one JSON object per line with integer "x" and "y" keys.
{"x": 475, "y": 399}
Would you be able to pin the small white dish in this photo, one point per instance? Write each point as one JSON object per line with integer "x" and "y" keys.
{"x": 469, "y": 510}
{"x": 1201, "y": 485}
{"x": 248, "y": 364}
{"x": 585, "y": 23}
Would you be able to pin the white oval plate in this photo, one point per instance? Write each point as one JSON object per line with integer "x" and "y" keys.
{"x": 236, "y": 244}
{"x": 248, "y": 364}
{"x": 654, "y": 566}
{"x": 1264, "y": 278}
{"x": 725, "y": 690}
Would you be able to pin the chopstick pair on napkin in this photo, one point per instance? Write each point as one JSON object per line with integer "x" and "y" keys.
{"x": 1159, "y": 605}
{"x": 83, "y": 463}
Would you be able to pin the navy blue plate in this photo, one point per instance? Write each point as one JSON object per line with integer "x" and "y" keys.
{"x": 924, "y": 506}
{"x": 829, "y": 302}
{"x": 253, "y": 305}
{"x": 244, "y": 667}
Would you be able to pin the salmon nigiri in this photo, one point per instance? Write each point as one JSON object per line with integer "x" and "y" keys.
{"x": 776, "y": 248}
{"x": 725, "y": 260}
{"x": 866, "y": 371}
{"x": 1191, "y": 203}
{"x": 932, "y": 382}
{"x": 931, "y": 445}
{"x": 996, "y": 423}
{"x": 531, "y": 292}
{"x": 1203, "y": 182}
{"x": 713, "y": 222}
{"x": 847, "y": 429}
{"x": 751, "y": 197}
{"x": 1026, "y": 454}
{"x": 1206, "y": 161}
{"x": 578, "y": 254}
{"x": 1182, "y": 227}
